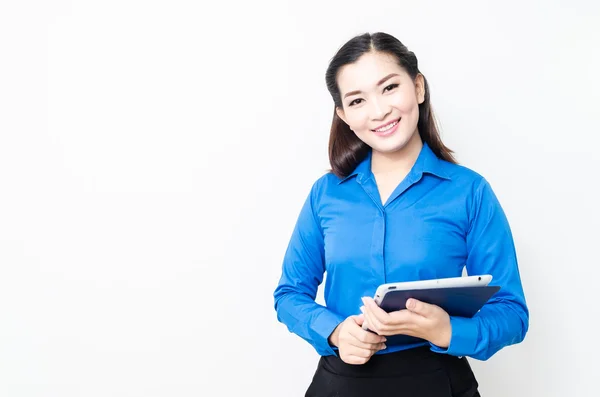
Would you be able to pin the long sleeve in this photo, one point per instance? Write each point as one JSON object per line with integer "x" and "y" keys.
{"x": 302, "y": 273}
{"x": 504, "y": 320}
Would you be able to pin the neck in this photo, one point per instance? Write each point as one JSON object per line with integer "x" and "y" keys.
{"x": 401, "y": 160}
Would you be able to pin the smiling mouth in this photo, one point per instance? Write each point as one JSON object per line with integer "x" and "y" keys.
{"x": 387, "y": 127}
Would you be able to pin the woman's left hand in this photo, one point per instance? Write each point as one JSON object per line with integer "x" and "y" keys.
{"x": 419, "y": 319}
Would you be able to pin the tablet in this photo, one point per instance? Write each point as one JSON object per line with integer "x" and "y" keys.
{"x": 458, "y": 296}
{"x": 456, "y": 301}
{"x": 452, "y": 282}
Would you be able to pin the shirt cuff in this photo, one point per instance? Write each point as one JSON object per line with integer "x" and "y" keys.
{"x": 324, "y": 326}
{"x": 464, "y": 337}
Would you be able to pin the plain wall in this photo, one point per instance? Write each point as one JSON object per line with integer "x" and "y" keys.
{"x": 154, "y": 157}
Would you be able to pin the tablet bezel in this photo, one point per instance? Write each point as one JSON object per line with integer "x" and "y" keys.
{"x": 481, "y": 280}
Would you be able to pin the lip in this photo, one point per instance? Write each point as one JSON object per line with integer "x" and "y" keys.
{"x": 390, "y": 131}
{"x": 388, "y": 123}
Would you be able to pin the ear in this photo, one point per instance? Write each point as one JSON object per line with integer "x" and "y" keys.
{"x": 420, "y": 88}
{"x": 341, "y": 114}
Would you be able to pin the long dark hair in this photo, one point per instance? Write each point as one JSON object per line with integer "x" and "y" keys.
{"x": 346, "y": 150}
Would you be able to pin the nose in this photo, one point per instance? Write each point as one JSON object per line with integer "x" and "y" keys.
{"x": 379, "y": 109}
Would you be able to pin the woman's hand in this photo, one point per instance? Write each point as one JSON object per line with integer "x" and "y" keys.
{"x": 356, "y": 345}
{"x": 420, "y": 319}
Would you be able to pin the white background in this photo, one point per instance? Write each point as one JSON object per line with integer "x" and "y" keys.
{"x": 154, "y": 154}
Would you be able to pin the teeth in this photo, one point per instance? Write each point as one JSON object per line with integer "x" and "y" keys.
{"x": 387, "y": 127}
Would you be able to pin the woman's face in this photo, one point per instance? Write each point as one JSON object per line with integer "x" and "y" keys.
{"x": 380, "y": 101}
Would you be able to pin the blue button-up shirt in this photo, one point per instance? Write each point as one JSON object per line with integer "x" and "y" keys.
{"x": 439, "y": 219}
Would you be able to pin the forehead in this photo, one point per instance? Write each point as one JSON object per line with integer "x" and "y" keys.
{"x": 367, "y": 71}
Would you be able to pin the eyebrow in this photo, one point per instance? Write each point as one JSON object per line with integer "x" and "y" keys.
{"x": 383, "y": 80}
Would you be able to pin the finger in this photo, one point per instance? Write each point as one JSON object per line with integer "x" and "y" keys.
{"x": 365, "y": 352}
{"x": 409, "y": 323}
{"x": 366, "y": 345}
{"x": 378, "y": 319}
{"x": 421, "y": 308}
{"x": 367, "y": 322}
{"x": 361, "y": 334}
{"x": 359, "y": 319}
{"x": 406, "y": 319}
{"x": 351, "y": 339}
{"x": 362, "y": 343}
{"x": 373, "y": 307}
{"x": 399, "y": 322}
{"x": 379, "y": 346}
{"x": 355, "y": 360}
{"x": 372, "y": 323}
{"x": 376, "y": 314}
{"x": 365, "y": 336}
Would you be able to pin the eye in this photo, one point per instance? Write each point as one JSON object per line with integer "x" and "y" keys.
{"x": 354, "y": 102}
{"x": 390, "y": 87}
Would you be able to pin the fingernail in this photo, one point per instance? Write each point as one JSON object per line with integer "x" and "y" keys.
{"x": 384, "y": 346}
{"x": 410, "y": 304}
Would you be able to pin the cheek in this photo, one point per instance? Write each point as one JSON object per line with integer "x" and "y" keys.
{"x": 407, "y": 103}
{"x": 358, "y": 121}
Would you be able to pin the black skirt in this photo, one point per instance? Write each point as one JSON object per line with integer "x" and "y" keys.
{"x": 409, "y": 373}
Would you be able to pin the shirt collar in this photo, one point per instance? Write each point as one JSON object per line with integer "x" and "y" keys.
{"x": 427, "y": 162}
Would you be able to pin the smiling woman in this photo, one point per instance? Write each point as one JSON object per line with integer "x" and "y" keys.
{"x": 387, "y": 109}
{"x": 395, "y": 207}
{"x": 402, "y": 92}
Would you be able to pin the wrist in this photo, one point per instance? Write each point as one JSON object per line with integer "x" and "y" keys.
{"x": 334, "y": 337}
{"x": 444, "y": 335}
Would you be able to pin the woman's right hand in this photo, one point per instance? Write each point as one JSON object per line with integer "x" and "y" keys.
{"x": 355, "y": 345}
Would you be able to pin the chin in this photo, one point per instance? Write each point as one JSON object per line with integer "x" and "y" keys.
{"x": 392, "y": 146}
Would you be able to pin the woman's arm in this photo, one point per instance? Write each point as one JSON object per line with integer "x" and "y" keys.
{"x": 504, "y": 320}
{"x": 302, "y": 273}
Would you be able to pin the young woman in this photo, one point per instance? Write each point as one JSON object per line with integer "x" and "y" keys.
{"x": 395, "y": 207}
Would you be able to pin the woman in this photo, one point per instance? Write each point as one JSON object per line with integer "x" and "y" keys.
{"x": 395, "y": 207}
